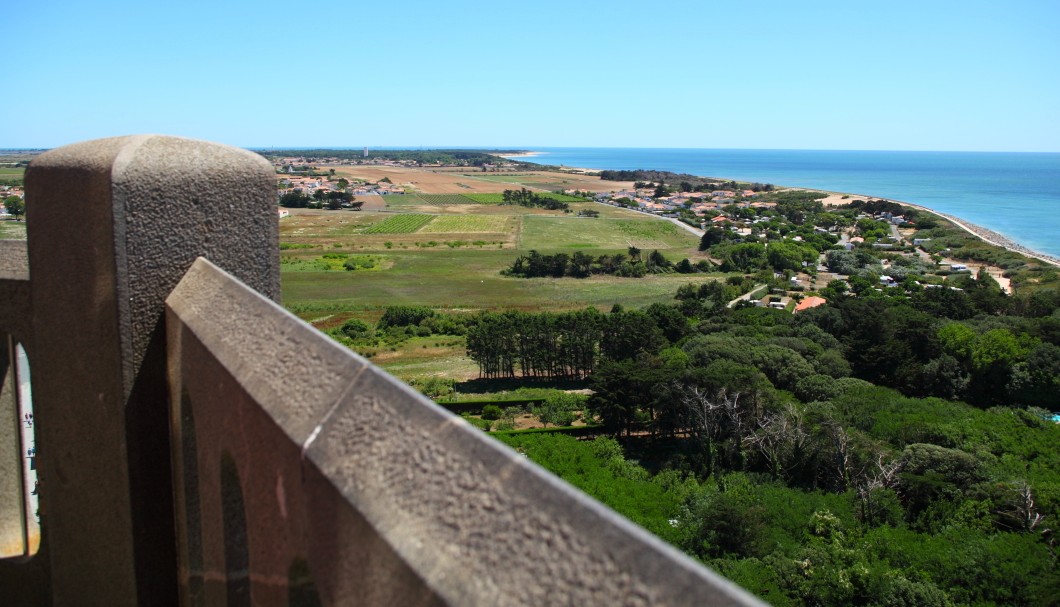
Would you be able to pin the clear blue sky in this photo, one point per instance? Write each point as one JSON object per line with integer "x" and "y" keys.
{"x": 898, "y": 75}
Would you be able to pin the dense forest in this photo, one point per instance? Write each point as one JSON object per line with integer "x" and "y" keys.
{"x": 819, "y": 458}
{"x": 827, "y": 457}
{"x": 883, "y": 449}
{"x": 893, "y": 446}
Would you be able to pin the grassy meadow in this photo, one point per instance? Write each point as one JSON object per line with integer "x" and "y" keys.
{"x": 12, "y": 230}
{"x": 7, "y": 172}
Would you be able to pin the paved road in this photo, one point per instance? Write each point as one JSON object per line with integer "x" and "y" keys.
{"x": 746, "y": 296}
{"x": 684, "y": 225}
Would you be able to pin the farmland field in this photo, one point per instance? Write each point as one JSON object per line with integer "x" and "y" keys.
{"x": 406, "y": 223}
{"x": 494, "y": 198}
{"x": 465, "y": 279}
{"x": 328, "y": 262}
{"x": 444, "y": 247}
{"x": 498, "y": 198}
{"x": 12, "y": 230}
{"x": 503, "y": 178}
{"x": 468, "y": 224}
{"x": 559, "y": 233}
{"x": 447, "y": 199}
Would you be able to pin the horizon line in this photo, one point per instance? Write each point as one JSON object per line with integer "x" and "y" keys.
{"x": 618, "y": 147}
{"x": 487, "y": 148}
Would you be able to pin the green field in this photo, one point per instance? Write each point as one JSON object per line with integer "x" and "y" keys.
{"x": 466, "y": 279}
{"x": 462, "y": 271}
{"x": 451, "y": 258}
{"x": 405, "y": 223}
{"x": 446, "y": 199}
{"x": 12, "y": 230}
{"x": 424, "y": 357}
{"x": 469, "y": 224}
{"x": 498, "y": 198}
{"x": 559, "y": 233}
{"x": 403, "y": 200}
{"x": 11, "y": 172}
{"x": 329, "y": 262}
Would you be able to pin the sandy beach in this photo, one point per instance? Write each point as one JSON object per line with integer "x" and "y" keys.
{"x": 518, "y": 155}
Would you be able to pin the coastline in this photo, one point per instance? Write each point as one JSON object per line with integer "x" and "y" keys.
{"x": 986, "y": 235}
{"x": 518, "y": 155}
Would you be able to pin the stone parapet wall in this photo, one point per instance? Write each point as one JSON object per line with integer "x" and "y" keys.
{"x": 367, "y": 489}
{"x": 199, "y": 445}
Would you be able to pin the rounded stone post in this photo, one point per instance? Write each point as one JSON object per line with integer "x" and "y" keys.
{"x": 113, "y": 225}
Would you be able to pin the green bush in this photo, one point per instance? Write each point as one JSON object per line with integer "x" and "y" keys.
{"x": 357, "y": 262}
{"x": 491, "y": 412}
{"x": 559, "y": 409}
{"x": 433, "y": 387}
{"x": 355, "y": 329}
{"x": 481, "y": 424}
{"x": 403, "y": 316}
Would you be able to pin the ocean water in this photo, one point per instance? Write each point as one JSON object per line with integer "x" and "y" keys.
{"x": 1014, "y": 194}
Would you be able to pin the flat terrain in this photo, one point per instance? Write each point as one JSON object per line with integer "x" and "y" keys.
{"x": 467, "y": 180}
{"x": 12, "y": 230}
{"x": 445, "y": 245}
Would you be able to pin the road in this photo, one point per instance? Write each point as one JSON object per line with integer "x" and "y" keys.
{"x": 684, "y": 225}
{"x": 746, "y": 296}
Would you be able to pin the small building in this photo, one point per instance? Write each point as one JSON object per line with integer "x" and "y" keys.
{"x": 810, "y": 302}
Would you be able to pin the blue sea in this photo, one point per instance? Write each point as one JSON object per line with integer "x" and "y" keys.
{"x": 1014, "y": 194}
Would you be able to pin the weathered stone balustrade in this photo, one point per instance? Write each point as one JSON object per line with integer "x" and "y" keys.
{"x": 197, "y": 444}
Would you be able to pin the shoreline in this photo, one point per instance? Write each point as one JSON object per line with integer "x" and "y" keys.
{"x": 518, "y": 155}
{"x": 987, "y": 235}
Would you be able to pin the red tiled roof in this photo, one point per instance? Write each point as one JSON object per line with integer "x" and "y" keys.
{"x": 810, "y": 302}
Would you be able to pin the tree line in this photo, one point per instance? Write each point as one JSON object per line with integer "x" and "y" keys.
{"x": 333, "y": 199}
{"x": 787, "y": 463}
{"x": 563, "y": 345}
{"x": 526, "y": 198}
{"x": 631, "y": 264}
{"x": 568, "y": 345}
{"x": 443, "y": 157}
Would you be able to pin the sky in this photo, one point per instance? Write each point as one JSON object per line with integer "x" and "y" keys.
{"x": 942, "y": 75}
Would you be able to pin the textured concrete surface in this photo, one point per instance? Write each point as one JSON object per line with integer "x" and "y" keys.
{"x": 380, "y": 492}
{"x": 112, "y": 225}
{"x": 14, "y": 291}
{"x": 14, "y": 262}
{"x": 237, "y": 441}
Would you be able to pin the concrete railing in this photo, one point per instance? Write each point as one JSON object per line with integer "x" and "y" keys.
{"x": 199, "y": 445}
